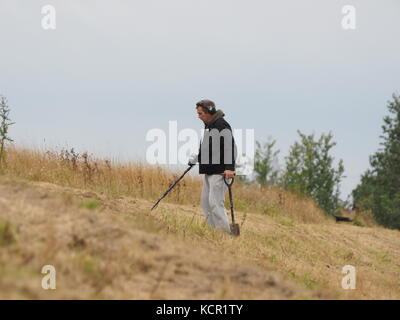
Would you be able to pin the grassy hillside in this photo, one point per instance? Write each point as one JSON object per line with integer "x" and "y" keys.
{"x": 91, "y": 220}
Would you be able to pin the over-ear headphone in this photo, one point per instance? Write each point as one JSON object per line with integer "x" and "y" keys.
{"x": 210, "y": 107}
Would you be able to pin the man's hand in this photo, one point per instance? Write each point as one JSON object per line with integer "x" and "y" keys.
{"x": 229, "y": 174}
{"x": 193, "y": 159}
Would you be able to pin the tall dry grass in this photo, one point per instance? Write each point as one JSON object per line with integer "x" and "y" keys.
{"x": 282, "y": 231}
{"x": 68, "y": 168}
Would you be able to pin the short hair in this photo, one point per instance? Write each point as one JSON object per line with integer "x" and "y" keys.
{"x": 208, "y": 106}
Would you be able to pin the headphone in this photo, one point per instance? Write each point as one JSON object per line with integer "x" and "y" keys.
{"x": 211, "y": 109}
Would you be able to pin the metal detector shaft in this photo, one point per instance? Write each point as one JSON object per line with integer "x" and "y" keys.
{"x": 172, "y": 186}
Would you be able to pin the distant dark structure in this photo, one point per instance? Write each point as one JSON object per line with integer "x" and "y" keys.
{"x": 342, "y": 219}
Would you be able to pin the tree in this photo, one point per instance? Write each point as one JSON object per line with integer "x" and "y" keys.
{"x": 4, "y": 127}
{"x": 264, "y": 167}
{"x": 310, "y": 171}
{"x": 379, "y": 189}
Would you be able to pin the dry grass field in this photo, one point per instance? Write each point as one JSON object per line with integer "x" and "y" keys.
{"x": 91, "y": 220}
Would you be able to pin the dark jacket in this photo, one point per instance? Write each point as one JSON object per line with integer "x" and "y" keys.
{"x": 219, "y": 125}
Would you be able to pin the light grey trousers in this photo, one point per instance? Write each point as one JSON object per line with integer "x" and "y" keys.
{"x": 213, "y": 200}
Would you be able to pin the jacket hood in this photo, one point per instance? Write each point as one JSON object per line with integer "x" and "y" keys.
{"x": 218, "y": 115}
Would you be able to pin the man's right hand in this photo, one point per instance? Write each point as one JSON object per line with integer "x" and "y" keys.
{"x": 193, "y": 160}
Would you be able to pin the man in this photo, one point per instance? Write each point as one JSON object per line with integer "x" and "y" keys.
{"x": 216, "y": 159}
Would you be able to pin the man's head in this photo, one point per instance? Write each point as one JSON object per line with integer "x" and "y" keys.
{"x": 205, "y": 110}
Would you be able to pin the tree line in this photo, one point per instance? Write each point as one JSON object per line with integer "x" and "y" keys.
{"x": 310, "y": 170}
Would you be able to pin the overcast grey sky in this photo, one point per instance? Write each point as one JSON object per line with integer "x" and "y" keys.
{"x": 112, "y": 70}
